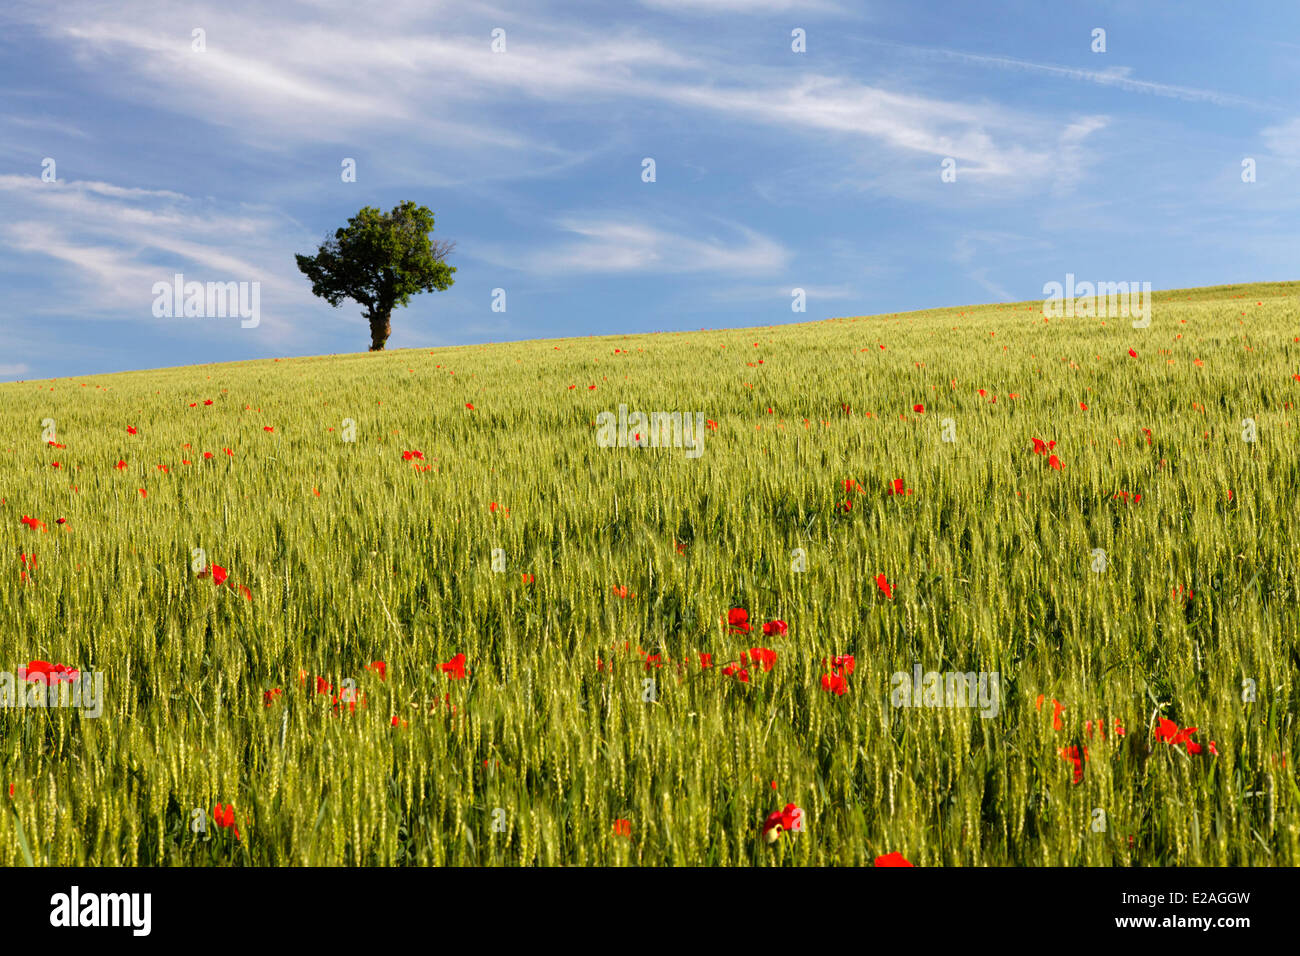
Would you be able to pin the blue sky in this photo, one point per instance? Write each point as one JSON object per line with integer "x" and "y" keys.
{"x": 774, "y": 169}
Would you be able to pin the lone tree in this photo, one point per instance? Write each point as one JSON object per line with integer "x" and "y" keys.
{"x": 379, "y": 261}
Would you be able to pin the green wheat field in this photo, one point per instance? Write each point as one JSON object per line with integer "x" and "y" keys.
{"x": 872, "y": 483}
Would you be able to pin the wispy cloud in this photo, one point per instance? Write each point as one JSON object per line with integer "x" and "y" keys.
{"x": 114, "y": 242}
{"x": 621, "y": 245}
{"x": 1118, "y": 77}
{"x": 43, "y": 124}
{"x": 781, "y": 294}
{"x": 1073, "y": 155}
{"x": 972, "y": 248}
{"x": 1283, "y": 141}
{"x": 743, "y": 6}
{"x": 285, "y": 83}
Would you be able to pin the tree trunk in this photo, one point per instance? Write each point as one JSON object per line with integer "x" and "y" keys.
{"x": 381, "y": 327}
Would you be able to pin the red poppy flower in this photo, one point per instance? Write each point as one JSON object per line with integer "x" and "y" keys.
{"x": 349, "y": 696}
{"x": 836, "y": 684}
{"x": 737, "y": 621}
{"x": 919, "y": 409}
{"x": 1132, "y": 354}
{"x": 207, "y": 401}
{"x": 1167, "y": 731}
{"x": 623, "y": 828}
{"x": 1076, "y": 755}
{"x": 844, "y": 664}
{"x": 120, "y": 466}
{"x": 775, "y": 627}
{"x": 706, "y": 660}
{"x": 742, "y": 675}
{"x": 130, "y": 429}
{"x": 786, "y": 820}
{"x": 270, "y": 696}
{"x": 455, "y": 667}
{"x": 470, "y": 406}
{"x": 1057, "y": 709}
{"x": 47, "y": 673}
{"x": 762, "y": 655}
{"x": 380, "y": 668}
{"x": 892, "y": 859}
{"x": 397, "y": 721}
{"x": 1083, "y": 406}
{"x": 1054, "y": 462}
{"x": 225, "y": 817}
{"x": 883, "y": 583}
{"x": 34, "y": 524}
{"x": 896, "y": 488}
{"x": 219, "y": 574}
{"x": 408, "y": 455}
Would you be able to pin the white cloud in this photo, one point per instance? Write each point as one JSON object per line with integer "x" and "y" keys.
{"x": 1283, "y": 140}
{"x": 623, "y": 246}
{"x": 1119, "y": 77}
{"x": 115, "y": 242}
{"x": 276, "y": 82}
{"x": 1072, "y": 157}
{"x": 742, "y": 6}
{"x": 780, "y": 295}
{"x": 905, "y": 122}
{"x": 45, "y": 124}
{"x": 178, "y": 228}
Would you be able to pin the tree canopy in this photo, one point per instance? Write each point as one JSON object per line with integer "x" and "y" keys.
{"x": 379, "y": 260}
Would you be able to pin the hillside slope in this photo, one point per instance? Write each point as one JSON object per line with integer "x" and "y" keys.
{"x": 871, "y": 483}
